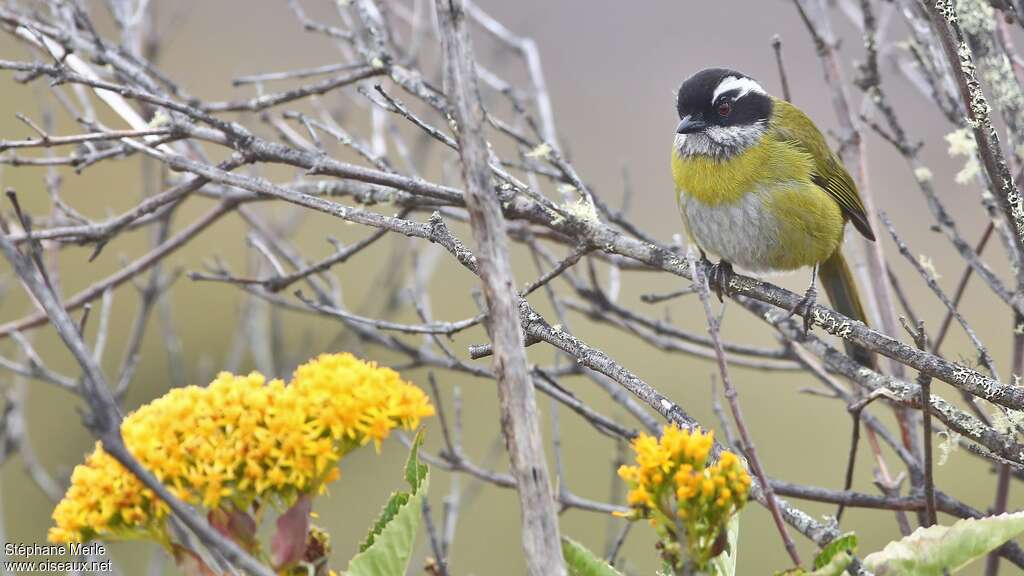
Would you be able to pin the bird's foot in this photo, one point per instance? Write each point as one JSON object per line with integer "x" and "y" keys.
{"x": 718, "y": 277}
{"x": 803, "y": 307}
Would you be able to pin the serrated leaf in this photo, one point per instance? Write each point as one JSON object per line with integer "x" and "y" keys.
{"x": 847, "y": 543}
{"x": 725, "y": 563}
{"x": 390, "y": 510}
{"x": 936, "y": 550}
{"x": 389, "y": 545}
{"x": 583, "y": 562}
{"x": 415, "y": 471}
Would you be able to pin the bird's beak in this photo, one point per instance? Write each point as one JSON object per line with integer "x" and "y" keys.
{"x": 689, "y": 125}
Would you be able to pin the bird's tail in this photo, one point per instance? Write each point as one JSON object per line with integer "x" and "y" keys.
{"x": 838, "y": 283}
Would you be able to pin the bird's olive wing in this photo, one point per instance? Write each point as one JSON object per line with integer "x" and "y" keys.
{"x": 789, "y": 123}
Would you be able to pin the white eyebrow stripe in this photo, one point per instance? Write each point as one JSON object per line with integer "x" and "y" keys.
{"x": 729, "y": 83}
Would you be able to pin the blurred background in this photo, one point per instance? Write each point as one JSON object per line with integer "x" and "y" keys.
{"x": 612, "y": 69}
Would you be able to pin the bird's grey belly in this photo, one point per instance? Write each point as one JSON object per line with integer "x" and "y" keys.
{"x": 744, "y": 233}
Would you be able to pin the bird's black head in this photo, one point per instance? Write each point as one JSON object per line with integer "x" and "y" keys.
{"x": 721, "y": 112}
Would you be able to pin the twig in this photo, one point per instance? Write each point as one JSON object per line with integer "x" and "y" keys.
{"x": 131, "y": 270}
{"x": 944, "y": 22}
{"x": 46, "y": 141}
{"x": 732, "y": 396}
{"x": 657, "y": 298}
{"x": 435, "y": 545}
{"x": 528, "y": 49}
{"x": 1003, "y": 477}
{"x": 290, "y": 74}
{"x": 104, "y": 417}
{"x": 848, "y": 498}
{"x": 929, "y": 278}
{"x": 541, "y": 540}
{"x": 620, "y": 539}
{"x": 855, "y": 410}
{"x": 961, "y": 288}
{"x": 716, "y": 407}
{"x": 453, "y": 498}
{"x": 777, "y": 48}
{"x": 924, "y": 381}
{"x": 445, "y": 328}
{"x": 265, "y": 101}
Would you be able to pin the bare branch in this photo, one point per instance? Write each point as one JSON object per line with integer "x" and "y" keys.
{"x": 519, "y": 418}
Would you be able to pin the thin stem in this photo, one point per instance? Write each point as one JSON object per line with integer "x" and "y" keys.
{"x": 737, "y": 414}
{"x": 1003, "y": 480}
{"x": 783, "y": 80}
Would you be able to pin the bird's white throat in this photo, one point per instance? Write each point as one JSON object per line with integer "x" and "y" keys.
{"x": 720, "y": 142}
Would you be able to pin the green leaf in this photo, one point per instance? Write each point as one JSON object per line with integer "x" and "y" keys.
{"x": 725, "y": 563}
{"x": 583, "y": 562}
{"x": 832, "y": 560}
{"x": 391, "y": 509}
{"x": 845, "y": 544}
{"x": 933, "y": 550}
{"x": 389, "y": 545}
{"x": 415, "y": 471}
{"x": 836, "y": 565}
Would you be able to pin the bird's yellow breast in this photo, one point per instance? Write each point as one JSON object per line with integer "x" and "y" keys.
{"x": 714, "y": 182}
{"x": 759, "y": 209}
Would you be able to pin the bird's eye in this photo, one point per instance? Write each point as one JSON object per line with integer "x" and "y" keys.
{"x": 724, "y": 108}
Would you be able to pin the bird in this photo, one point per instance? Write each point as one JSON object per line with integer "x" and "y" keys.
{"x": 758, "y": 186}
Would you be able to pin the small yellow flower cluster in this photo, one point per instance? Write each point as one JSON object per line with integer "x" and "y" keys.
{"x": 237, "y": 440}
{"x": 672, "y": 485}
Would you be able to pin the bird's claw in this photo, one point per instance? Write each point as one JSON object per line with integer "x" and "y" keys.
{"x": 804, "y": 306}
{"x": 718, "y": 277}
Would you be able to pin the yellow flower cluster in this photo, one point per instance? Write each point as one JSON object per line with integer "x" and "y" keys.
{"x": 237, "y": 440}
{"x": 672, "y": 485}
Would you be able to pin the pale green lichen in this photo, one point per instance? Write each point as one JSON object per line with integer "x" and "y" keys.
{"x": 978, "y": 21}
{"x": 160, "y": 119}
{"x": 1006, "y": 421}
{"x": 582, "y": 210}
{"x": 961, "y": 143}
{"x": 976, "y": 16}
{"x": 949, "y": 445}
{"x": 542, "y": 151}
{"x": 1006, "y": 94}
{"x": 929, "y": 266}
